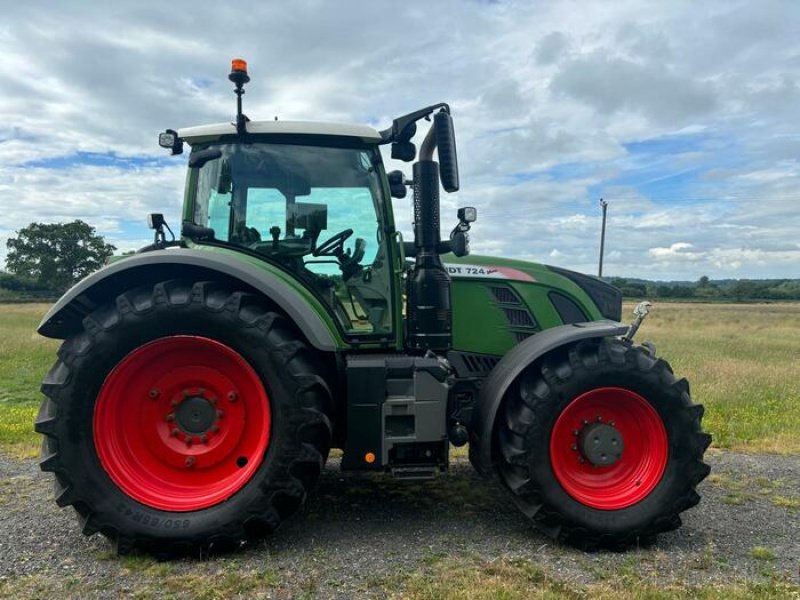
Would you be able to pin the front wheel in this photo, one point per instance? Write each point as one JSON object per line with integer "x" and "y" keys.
{"x": 185, "y": 416}
{"x": 601, "y": 445}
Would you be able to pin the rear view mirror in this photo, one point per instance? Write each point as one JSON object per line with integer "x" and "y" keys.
{"x": 405, "y": 151}
{"x": 459, "y": 243}
{"x": 201, "y": 157}
{"x": 446, "y": 144}
{"x": 397, "y": 184}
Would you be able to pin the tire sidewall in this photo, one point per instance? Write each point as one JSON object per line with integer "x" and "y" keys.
{"x": 114, "y": 509}
{"x": 666, "y": 401}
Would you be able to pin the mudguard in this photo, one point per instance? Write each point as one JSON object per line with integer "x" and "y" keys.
{"x": 65, "y": 317}
{"x": 510, "y": 367}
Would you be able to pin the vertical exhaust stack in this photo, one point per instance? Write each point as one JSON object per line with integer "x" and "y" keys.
{"x": 429, "y": 306}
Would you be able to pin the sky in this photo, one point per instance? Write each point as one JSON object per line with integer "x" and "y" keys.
{"x": 683, "y": 116}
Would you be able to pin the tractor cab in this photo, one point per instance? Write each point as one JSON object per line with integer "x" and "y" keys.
{"x": 313, "y": 205}
{"x": 313, "y": 200}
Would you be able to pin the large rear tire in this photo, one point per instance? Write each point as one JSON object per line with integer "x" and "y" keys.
{"x": 185, "y": 417}
{"x": 601, "y": 445}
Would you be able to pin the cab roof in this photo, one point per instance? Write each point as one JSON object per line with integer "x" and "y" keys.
{"x": 206, "y": 133}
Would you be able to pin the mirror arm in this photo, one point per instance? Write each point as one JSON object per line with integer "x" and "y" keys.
{"x": 428, "y": 145}
{"x": 400, "y": 123}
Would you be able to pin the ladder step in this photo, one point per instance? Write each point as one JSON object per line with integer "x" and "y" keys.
{"x": 416, "y": 473}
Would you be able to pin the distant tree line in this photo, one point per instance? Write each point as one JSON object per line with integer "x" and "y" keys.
{"x": 44, "y": 259}
{"x": 705, "y": 289}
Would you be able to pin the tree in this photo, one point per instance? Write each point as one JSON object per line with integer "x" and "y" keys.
{"x": 56, "y": 255}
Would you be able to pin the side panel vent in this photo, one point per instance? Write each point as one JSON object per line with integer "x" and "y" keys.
{"x": 505, "y": 295}
{"x": 468, "y": 364}
{"x": 519, "y": 317}
{"x": 567, "y": 309}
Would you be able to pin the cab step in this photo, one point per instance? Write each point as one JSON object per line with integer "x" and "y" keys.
{"x": 416, "y": 472}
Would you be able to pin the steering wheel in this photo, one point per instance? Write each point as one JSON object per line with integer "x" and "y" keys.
{"x": 333, "y": 246}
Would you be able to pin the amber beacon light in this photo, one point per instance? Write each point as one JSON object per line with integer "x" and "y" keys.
{"x": 239, "y": 77}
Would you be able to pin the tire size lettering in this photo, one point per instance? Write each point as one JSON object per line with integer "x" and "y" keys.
{"x": 152, "y": 521}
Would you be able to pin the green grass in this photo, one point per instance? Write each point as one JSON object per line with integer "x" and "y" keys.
{"x": 25, "y": 357}
{"x": 762, "y": 553}
{"x": 741, "y": 489}
{"x": 741, "y": 360}
{"x": 742, "y": 364}
{"x": 513, "y": 578}
{"x": 433, "y": 578}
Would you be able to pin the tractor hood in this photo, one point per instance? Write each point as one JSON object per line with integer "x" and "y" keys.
{"x": 498, "y": 302}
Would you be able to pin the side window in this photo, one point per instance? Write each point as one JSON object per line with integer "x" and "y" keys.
{"x": 215, "y": 209}
{"x": 266, "y": 208}
{"x": 219, "y": 214}
{"x": 348, "y": 208}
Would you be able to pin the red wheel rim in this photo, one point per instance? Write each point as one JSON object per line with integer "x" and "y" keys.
{"x": 643, "y": 459}
{"x": 182, "y": 423}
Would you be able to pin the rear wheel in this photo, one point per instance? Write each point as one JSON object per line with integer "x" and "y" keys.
{"x": 185, "y": 417}
{"x": 601, "y": 445}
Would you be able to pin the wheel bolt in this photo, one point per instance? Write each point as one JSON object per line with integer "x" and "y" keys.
{"x": 188, "y": 440}
{"x": 189, "y": 461}
{"x": 204, "y": 438}
{"x": 233, "y": 396}
{"x": 213, "y": 401}
{"x": 575, "y": 432}
{"x": 599, "y": 419}
{"x": 214, "y": 428}
{"x": 175, "y": 432}
{"x": 611, "y": 423}
{"x": 186, "y": 393}
{"x": 574, "y": 448}
{"x": 220, "y": 414}
{"x": 154, "y": 393}
{"x": 173, "y": 403}
{"x": 585, "y": 422}
{"x": 581, "y": 460}
{"x": 201, "y": 392}
{"x": 170, "y": 417}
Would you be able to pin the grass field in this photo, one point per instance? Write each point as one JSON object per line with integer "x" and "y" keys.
{"x": 743, "y": 362}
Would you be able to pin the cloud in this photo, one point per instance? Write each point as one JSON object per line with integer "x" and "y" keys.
{"x": 683, "y": 119}
{"x": 612, "y": 85}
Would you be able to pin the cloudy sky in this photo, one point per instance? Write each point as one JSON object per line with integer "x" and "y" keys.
{"x": 684, "y": 116}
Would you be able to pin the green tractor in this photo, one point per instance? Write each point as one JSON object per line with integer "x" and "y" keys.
{"x": 203, "y": 381}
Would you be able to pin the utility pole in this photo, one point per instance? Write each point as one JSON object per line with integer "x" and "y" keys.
{"x": 604, "y": 204}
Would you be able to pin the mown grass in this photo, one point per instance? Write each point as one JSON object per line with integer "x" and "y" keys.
{"x": 741, "y": 360}
{"x": 743, "y": 489}
{"x": 516, "y": 578}
{"x": 432, "y": 578}
{"x": 25, "y": 357}
{"x": 743, "y": 363}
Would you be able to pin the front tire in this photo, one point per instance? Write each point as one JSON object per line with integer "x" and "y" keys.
{"x": 601, "y": 445}
{"x": 185, "y": 417}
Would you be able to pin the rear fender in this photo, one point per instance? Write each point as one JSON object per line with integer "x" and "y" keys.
{"x": 510, "y": 367}
{"x": 65, "y": 317}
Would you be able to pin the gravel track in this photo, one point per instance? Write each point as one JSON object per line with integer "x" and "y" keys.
{"x": 358, "y": 527}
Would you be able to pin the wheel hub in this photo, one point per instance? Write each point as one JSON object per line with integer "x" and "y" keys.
{"x": 601, "y": 444}
{"x": 195, "y": 415}
{"x": 182, "y": 423}
{"x": 590, "y": 466}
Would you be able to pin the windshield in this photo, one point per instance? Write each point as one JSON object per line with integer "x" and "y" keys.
{"x": 313, "y": 210}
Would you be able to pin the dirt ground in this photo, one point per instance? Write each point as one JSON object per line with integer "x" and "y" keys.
{"x": 359, "y": 530}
